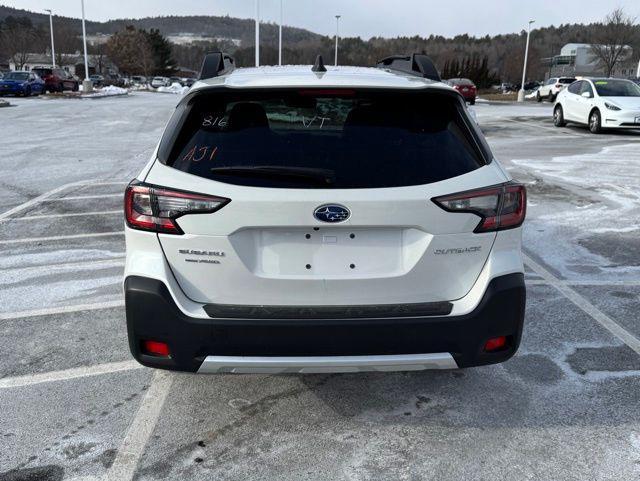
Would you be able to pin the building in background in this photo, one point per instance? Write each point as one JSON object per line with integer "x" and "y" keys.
{"x": 577, "y": 60}
{"x": 72, "y": 63}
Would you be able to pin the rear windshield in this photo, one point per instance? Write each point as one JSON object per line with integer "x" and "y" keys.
{"x": 325, "y": 139}
{"x": 616, "y": 88}
{"x": 566, "y": 80}
{"x": 42, "y": 71}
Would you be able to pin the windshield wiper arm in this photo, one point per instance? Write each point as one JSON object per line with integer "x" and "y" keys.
{"x": 322, "y": 176}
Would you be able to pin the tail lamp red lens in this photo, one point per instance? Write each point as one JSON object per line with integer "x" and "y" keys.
{"x": 500, "y": 207}
{"x": 496, "y": 344}
{"x": 156, "y": 209}
{"x": 155, "y": 348}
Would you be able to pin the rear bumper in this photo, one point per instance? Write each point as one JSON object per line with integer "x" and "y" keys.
{"x": 322, "y": 345}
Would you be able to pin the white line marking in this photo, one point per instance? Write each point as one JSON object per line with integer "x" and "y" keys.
{"x": 111, "y": 262}
{"x": 61, "y": 237}
{"x": 587, "y": 283}
{"x": 141, "y": 428}
{"x": 96, "y": 306}
{"x": 75, "y": 373}
{"x": 83, "y": 197}
{"x": 599, "y": 316}
{"x": 33, "y": 201}
{"x": 53, "y": 216}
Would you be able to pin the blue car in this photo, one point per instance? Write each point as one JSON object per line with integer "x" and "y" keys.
{"x": 21, "y": 83}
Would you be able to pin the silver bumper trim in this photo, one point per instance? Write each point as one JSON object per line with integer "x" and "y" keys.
{"x": 325, "y": 364}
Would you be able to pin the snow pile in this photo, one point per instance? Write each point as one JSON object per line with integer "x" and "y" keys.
{"x": 175, "y": 88}
{"x": 109, "y": 91}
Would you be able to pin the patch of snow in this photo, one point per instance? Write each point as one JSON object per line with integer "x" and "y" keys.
{"x": 109, "y": 91}
{"x": 175, "y": 88}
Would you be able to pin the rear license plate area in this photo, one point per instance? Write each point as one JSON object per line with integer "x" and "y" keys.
{"x": 330, "y": 252}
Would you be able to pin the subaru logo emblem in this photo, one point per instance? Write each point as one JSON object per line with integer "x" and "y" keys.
{"x": 332, "y": 213}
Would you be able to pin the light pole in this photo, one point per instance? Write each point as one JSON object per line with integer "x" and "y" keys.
{"x": 53, "y": 47}
{"x": 526, "y": 60}
{"x": 638, "y": 72}
{"x": 337, "y": 35}
{"x": 280, "y": 36}
{"x": 86, "y": 84}
{"x": 257, "y": 33}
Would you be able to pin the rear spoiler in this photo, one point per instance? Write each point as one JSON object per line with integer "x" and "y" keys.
{"x": 415, "y": 64}
{"x": 216, "y": 64}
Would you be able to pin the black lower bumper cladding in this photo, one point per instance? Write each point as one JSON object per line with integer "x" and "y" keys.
{"x": 153, "y": 315}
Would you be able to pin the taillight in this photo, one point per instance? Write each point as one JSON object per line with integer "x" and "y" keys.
{"x": 500, "y": 207}
{"x": 155, "y": 209}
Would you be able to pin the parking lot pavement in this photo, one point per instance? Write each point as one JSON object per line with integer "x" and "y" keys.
{"x": 75, "y": 406}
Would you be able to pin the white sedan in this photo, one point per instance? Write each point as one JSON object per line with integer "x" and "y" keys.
{"x": 600, "y": 104}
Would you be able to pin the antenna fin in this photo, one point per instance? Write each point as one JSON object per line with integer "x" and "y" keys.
{"x": 319, "y": 65}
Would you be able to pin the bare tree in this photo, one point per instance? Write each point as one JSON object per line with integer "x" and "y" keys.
{"x": 18, "y": 38}
{"x": 612, "y": 39}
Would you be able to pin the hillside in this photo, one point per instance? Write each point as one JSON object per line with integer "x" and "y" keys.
{"x": 227, "y": 27}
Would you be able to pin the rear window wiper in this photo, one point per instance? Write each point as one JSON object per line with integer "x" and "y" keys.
{"x": 321, "y": 176}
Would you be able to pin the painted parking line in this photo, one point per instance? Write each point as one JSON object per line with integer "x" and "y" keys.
{"x": 55, "y": 216}
{"x": 47, "y": 195}
{"x": 141, "y": 428}
{"x": 29, "y": 240}
{"x": 96, "y": 306}
{"x": 64, "y": 375}
{"x": 594, "y": 283}
{"x": 34, "y": 201}
{"x": 111, "y": 262}
{"x": 83, "y": 197}
{"x": 605, "y": 321}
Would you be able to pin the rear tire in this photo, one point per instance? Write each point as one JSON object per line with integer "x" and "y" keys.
{"x": 558, "y": 117}
{"x": 76, "y": 87}
{"x": 538, "y": 97}
{"x": 552, "y": 98}
{"x": 27, "y": 92}
{"x": 595, "y": 122}
{"x": 472, "y": 102}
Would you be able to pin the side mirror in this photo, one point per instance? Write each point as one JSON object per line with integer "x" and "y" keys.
{"x": 586, "y": 95}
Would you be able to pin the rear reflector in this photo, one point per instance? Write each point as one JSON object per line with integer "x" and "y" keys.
{"x": 155, "y": 348}
{"x": 500, "y": 207}
{"x": 155, "y": 209}
{"x": 496, "y": 344}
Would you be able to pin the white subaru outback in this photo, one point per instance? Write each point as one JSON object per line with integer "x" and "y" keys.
{"x": 299, "y": 219}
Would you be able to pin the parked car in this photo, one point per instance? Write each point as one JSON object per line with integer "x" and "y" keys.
{"x": 636, "y": 80}
{"x": 22, "y": 83}
{"x": 57, "y": 79}
{"x": 139, "y": 80}
{"x": 286, "y": 227}
{"x": 552, "y": 87}
{"x": 466, "y": 88}
{"x": 97, "y": 80}
{"x": 601, "y": 103}
{"x": 188, "y": 81}
{"x": 507, "y": 87}
{"x": 160, "y": 82}
{"x": 113, "y": 79}
{"x": 530, "y": 86}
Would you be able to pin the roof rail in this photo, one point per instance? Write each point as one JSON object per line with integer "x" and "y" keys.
{"x": 416, "y": 64}
{"x": 216, "y": 64}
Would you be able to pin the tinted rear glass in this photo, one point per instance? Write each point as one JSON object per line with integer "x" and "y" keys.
{"x": 566, "y": 80}
{"x": 358, "y": 139}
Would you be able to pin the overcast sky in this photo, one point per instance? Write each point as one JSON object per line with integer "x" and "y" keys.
{"x": 365, "y": 18}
